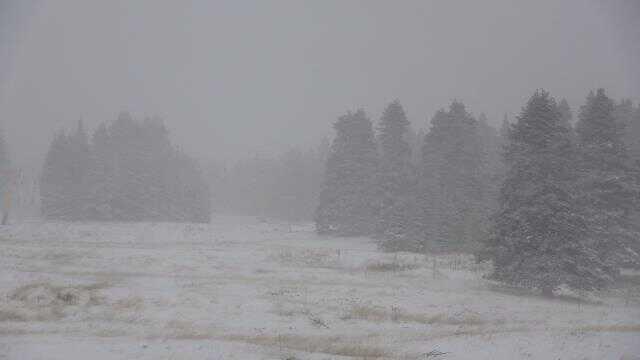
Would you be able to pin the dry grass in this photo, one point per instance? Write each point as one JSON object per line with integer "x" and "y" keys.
{"x": 395, "y": 314}
{"x": 385, "y": 266}
{"x": 47, "y": 302}
{"x": 130, "y": 303}
{"x": 320, "y": 258}
{"x": 46, "y": 295}
{"x": 12, "y": 315}
{"x": 611, "y": 328}
{"x": 332, "y": 345}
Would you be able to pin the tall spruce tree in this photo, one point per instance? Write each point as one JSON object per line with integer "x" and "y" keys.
{"x": 453, "y": 158}
{"x": 626, "y": 114}
{"x": 395, "y": 180}
{"x": 347, "y": 204}
{"x": 540, "y": 237}
{"x": 610, "y": 191}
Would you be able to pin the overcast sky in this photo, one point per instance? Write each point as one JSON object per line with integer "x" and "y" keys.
{"x": 234, "y": 78}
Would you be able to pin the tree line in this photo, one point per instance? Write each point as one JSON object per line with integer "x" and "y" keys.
{"x": 127, "y": 171}
{"x": 440, "y": 198}
{"x": 550, "y": 201}
{"x": 282, "y": 187}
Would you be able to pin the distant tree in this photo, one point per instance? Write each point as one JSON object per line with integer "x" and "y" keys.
{"x": 504, "y": 129}
{"x": 539, "y": 238}
{"x": 396, "y": 179}
{"x": 347, "y": 200}
{"x": 101, "y": 187}
{"x": 492, "y": 169}
{"x": 633, "y": 138}
{"x": 453, "y": 160}
{"x": 5, "y": 174}
{"x": 566, "y": 116}
{"x": 626, "y": 114}
{"x": 79, "y": 163}
{"x": 57, "y": 180}
{"x": 610, "y": 190}
{"x": 129, "y": 172}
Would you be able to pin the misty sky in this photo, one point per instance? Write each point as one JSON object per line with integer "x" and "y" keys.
{"x": 234, "y": 78}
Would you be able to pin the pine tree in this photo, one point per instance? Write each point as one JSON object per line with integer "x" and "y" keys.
{"x": 5, "y": 174}
{"x": 491, "y": 170}
{"x": 4, "y": 163}
{"x": 634, "y": 137}
{"x": 540, "y": 237}
{"x": 626, "y": 114}
{"x": 395, "y": 182}
{"x": 504, "y": 129}
{"x": 79, "y": 151}
{"x": 453, "y": 158}
{"x": 129, "y": 172}
{"x": 566, "y": 116}
{"x": 56, "y": 182}
{"x": 101, "y": 173}
{"x": 610, "y": 191}
{"x": 347, "y": 201}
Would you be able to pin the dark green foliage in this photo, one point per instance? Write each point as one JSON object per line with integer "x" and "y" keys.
{"x": 452, "y": 180}
{"x": 347, "y": 204}
{"x": 609, "y": 183}
{"x": 540, "y": 237}
{"x": 629, "y": 116}
{"x": 395, "y": 181}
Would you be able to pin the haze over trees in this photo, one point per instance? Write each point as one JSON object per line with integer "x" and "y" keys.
{"x": 129, "y": 171}
{"x": 5, "y": 169}
{"x": 283, "y": 187}
{"x": 548, "y": 203}
{"x": 348, "y": 203}
{"x": 549, "y": 200}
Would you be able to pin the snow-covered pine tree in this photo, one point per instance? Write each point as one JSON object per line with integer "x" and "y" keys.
{"x": 625, "y": 113}
{"x": 539, "y": 238}
{"x": 347, "y": 200}
{"x": 610, "y": 190}
{"x": 452, "y": 161}
{"x": 395, "y": 180}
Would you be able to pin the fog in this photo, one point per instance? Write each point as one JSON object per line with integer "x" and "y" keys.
{"x": 236, "y": 78}
{"x": 290, "y": 180}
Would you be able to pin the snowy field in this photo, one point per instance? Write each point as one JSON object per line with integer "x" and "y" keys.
{"x": 244, "y": 289}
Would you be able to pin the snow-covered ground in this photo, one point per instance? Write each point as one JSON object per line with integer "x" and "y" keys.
{"x": 244, "y": 289}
